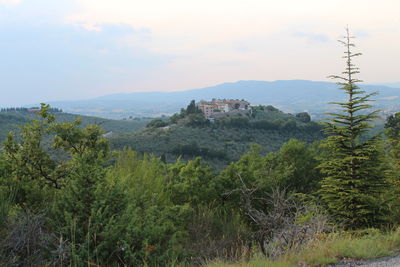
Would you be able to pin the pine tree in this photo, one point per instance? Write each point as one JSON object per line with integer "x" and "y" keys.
{"x": 354, "y": 180}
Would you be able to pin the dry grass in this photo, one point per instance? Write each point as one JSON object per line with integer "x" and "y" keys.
{"x": 332, "y": 248}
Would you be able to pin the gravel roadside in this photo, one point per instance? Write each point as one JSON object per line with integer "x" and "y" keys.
{"x": 390, "y": 261}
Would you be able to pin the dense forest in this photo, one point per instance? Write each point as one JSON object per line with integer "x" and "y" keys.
{"x": 97, "y": 206}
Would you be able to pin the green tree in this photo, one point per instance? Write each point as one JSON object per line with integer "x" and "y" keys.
{"x": 6, "y": 192}
{"x": 154, "y": 227}
{"x": 296, "y": 167}
{"x": 354, "y": 180}
{"x": 80, "y": 203}
{"x": 392, "y": 131}
{"x": 254, "y": 170}
{"x": 192, "y": 183}
{"x": 303, "y": 116}
{"x": 87, "y": 209}
{"x": 192, "y": 108}
{"x": 33, "y": 172}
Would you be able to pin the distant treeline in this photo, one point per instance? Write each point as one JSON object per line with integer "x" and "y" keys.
{"x": 265, "y": 124}
{"x": 21, "y": 109}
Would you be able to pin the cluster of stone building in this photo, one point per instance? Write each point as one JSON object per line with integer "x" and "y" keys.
{"x": 219, "y": 107}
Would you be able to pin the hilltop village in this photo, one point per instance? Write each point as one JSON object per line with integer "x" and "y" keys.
{"x": 219, "y": 107}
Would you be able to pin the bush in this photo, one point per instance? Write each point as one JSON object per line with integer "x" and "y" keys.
{"x": 157, "y": 123}
{"x": 217, "y": 234}
{"x": 153, "y": 226}
{"x": 28, "y": 242}
{"x": 303, "y": 117}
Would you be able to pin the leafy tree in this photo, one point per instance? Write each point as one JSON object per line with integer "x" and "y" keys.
{"x": 192, "y": 108}
{"x": 295, "y": 167}
{"x": 303, "y": 116}
{"x": 84, "y": 207}
{"x": 87, "y": 208}
{"x": 354, "y": 179}
{"x": 154, "y": 226}
{"x": 289, "y": 125}
{"x": 157, "y": 123}
{"x": 6, "y": 192}
{"x": 253, "y": 169}
{"x": 176, "y": 117}
{"x": 34, "y": 173}
{"x": 4, "y": 167}
{"x": 292, "y": 168}
{"x": 392, "y": 130}
{"x": 197, "y": 119}
{"x": 192, "y": 183}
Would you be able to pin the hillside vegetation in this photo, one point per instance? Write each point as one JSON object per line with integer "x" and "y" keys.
{"x": 11, "y": 119}
{"x": 305, "y": 204}
{"x": 188, "y": 134}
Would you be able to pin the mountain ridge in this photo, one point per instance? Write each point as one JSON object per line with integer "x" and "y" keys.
{"x": 288, "y": 95}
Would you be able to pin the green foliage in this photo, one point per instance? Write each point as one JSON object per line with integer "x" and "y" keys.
{"x": 193, "y": 150}
{"x": 87, "y": 213}
{"x": 191, "y": 116}
{"x": 4, "y": 168}
{"x": 132, "y": 209}
{"x": 33, "y": 172}
{"x": 303, "y": 116}
{"x": 222, "y": 141}
{"x": 192, "y": 108}
{"x": 192, "y": 183}
{"x": 216, "y": 233}
{"x": 296, "y": 167}
{"x": 12, "y": 119}
{"x": 354, "y": 179}
{"x": 196, "y": 120}
{"x": 84, "y": 207}
{"x": 154, "y": 225}
{"x": 251, "y": 169}
{"x": 293, "y": 168}
{"x": 88, "y": 210}
{"x": 157, "y": 123}
{"x": 392, "y": 131}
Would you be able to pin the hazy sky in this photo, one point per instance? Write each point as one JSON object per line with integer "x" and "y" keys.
{"x": 73, "y": 49}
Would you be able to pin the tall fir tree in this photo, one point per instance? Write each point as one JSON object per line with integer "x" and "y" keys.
{"x": 354, "y": 180}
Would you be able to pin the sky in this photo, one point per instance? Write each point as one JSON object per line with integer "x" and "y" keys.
{"x": 54, "y": 50}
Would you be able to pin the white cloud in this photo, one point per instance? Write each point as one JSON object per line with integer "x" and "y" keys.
{"x": 89, "y": 27}
{"x": 204, "y": 35}
{"x": 10, "y": 2}
{"x": 183, "y": 44}
{"x": 179, "y": 26}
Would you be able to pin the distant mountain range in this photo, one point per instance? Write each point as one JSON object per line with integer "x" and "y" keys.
{"x": 288, "y": 95}
{"x": 395, "y": 85}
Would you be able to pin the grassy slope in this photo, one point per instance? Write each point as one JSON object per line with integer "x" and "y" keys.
{"x": 331, "y": 249}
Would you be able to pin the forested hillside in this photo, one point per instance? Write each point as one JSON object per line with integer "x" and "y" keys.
{"x": 188, "y": 134}
{"x": 12, "y": 118}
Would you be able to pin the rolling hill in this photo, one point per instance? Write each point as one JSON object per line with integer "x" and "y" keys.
{"x": 290, "y": 96}
{"x": 221, "y": 141}
{"x": 12, "y": 120}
